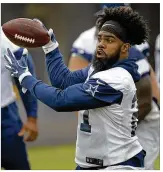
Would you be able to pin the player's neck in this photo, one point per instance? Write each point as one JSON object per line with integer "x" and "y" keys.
{"x": 123, "y": 56}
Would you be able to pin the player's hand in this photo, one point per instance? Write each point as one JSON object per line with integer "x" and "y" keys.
{"x": 29, "y": 130}
{"x": 50, "y": 31}
{"x": 52, "y": 44}
{"x": 17, "y": 62}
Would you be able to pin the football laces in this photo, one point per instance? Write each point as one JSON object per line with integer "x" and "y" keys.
{"x": 25, "y": 39}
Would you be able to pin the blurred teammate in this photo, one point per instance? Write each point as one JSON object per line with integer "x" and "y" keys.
{"x": 148, "y": 127}
{"x": 13, "y": 149}
{"x": 157, "y": 58}
{"x": 104, "y": 92}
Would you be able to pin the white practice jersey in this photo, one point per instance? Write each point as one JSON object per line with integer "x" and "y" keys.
{"x": 7, "y": 93}
{"x": 110, "y": 136}
{"x": 157, "y": 58}
{"x": 85, "y": 46}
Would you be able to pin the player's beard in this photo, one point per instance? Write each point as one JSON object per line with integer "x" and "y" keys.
{"x": 101, "y": 64}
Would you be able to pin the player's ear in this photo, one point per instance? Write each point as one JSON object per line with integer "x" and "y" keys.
{"x": 125, "y": 47}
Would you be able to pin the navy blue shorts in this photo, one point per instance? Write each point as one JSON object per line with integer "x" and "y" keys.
{"x": 13, "y": 153}
{"x": 13, "y": 149}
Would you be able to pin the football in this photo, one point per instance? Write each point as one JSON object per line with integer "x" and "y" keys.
{"x": 26, "y": 33}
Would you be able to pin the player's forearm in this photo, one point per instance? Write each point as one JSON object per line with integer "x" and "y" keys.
{"x": 144, "y": 111}
{"x": 155, "y": 87}
{"x": 144, "y": 95}
{"x": 59, "y": 74}
{"x": 56, "y": 68}
{"x": 30, "y": 104}
{"x": 29, "y": 101}
{"x": 73, "y": 98}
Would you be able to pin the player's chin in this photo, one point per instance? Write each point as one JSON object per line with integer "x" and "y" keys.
{"x": 98, "y": 64}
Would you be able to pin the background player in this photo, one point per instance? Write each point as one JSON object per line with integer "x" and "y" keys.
{"x": 13, "y": 149}
{"x": 157, "y": 58}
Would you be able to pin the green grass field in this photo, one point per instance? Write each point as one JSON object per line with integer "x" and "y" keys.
{"x": 52, "y": 158}
{"x": 57, "y": 158}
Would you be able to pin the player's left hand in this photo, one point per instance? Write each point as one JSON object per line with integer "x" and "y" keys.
{"x": 31, "y": 129}
{"x": 16, "y": 66}
{"x": 50, "y": 31}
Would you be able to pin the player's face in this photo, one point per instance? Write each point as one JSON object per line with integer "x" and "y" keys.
{"x": 108, "y": 51}
{"x": 108, "y": 45}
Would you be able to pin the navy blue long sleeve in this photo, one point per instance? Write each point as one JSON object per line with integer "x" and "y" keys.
{"x": 81, "y": 96}
{"x": 59, "y": 74}
{"x": 29, "y": 101}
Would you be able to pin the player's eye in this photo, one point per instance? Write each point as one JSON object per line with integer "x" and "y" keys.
{"x": 109, "y": 40}
{"x": 99, "y": 39}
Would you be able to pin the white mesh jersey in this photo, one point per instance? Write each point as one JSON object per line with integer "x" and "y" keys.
{"x": 86, "y": 41}
{"x": 111, "y": 138}
{"x": 7, "y": 93}
{"x": 85, "y": 44}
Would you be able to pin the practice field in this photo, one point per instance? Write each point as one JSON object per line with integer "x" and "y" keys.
{"x": 57, "y": 158}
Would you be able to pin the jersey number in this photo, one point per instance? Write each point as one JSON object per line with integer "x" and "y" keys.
{"x": 134, "y": 117}
{"x": 85, "y": 125}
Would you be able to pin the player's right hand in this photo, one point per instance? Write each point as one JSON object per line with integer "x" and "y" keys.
{"x": 29, "y": 130}
{"x": 16, "y": 63}
{"x": 52, "y": 44}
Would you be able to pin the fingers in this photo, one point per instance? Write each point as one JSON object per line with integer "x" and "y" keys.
{"x": 11, "y": 55}
{"x": 29, "y": 135}
{"x": 50, "y": 32}
{"x": 8, "y": 59}
{"x": 22, "y": 63}
{"x": 32, "y": 135}
{"x": 25, "y": 51}
{"x": 30, "y": 130}
{"x": 13, "y": 72}
{"x": 37, "y": 20}
{"x": 9, "y": 67}
{"x": 22, "y": 131}
{"x": 40, "y": 22}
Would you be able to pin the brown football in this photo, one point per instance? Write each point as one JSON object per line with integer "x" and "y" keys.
{"x": 26, "y": 33}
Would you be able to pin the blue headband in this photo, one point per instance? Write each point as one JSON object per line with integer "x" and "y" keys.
{"x": 115, "y": 28}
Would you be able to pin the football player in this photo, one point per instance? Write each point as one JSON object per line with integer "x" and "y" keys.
{"x": 13, "y": 149}
{"x": 148, "y": 129}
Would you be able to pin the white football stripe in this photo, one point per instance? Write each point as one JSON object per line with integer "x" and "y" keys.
{"x": 25, "y": 39}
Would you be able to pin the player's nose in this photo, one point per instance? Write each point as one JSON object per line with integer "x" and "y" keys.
{"x": 101, "y": 45}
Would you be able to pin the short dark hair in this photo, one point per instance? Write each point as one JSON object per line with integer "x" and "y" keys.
{"x": 136, "y": 27}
